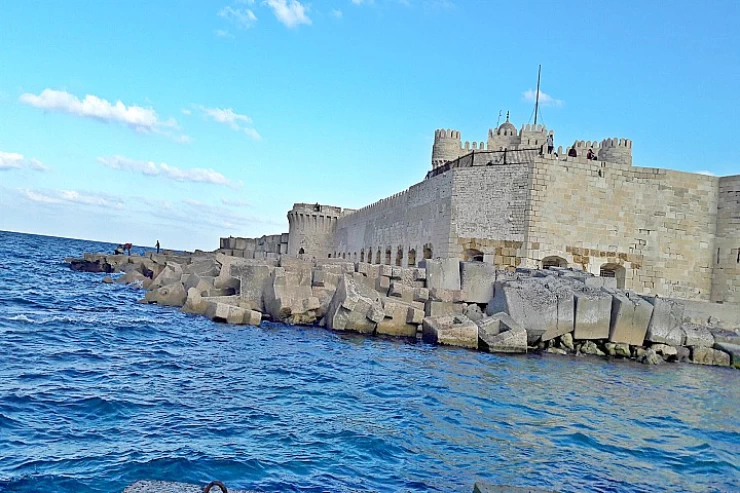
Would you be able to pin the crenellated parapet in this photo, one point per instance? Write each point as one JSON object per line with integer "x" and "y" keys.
{"x": 312, "y": 228}
{"x": 616, "y": 150}
{"x": 447, "y": 146}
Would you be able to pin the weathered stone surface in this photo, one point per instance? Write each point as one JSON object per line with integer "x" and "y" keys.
{"x": 566, "y": 341}
{"x": 665, "y": 324}
{"x": 620, "y": 350}
{"x": 701, "y": 355}
{"x": 590, "y": 347}
{"x": 325, "y": 279}
{"x": 395, "y": 322}
{"x": 683, "y": 354}
{"x": 170, "y": 295}
{"x": 107, "y": 280}
{"x": 668, "y": 352}
{"x": 132, "y": 277}
{"x": 476, "y": 281}
{"x": 82, "y": 265}
{"x": 414, "y": 316}
{"x": 421, "y": 294}
{"x": 382, "y": 284}
{"x": 556, "y": 350}
{"x": 195, "y": 302}
{"x": 473, "y": 312}
{"x": 399, "y": 290}
{"x": 600, "y": 282}
{"x": 354, "y": 307}
{"x": 437, "y": 308}
{"x": 288, "y": 297}
{"x": 443, "y": 274}
{"x": 593, "y": 310}
{"x": 499, "y": 333}
{"x": 696, "y": 335}
{"x": 222, "y": 312}
{"x": 651, "y": 358}
{"x": 253, "y": 283}
{"x": 485, "y": 488}
{"x": 451, "y": 330}
{"x": 543, "y": 306}
{"x": 630, "y": 319}
{"x": 724, "y": 335}
{"x": 170, "y": 274}
{"x": 733, "y": 350}
{"x": 446, "y": 295}
{"x": 204, "y": 268}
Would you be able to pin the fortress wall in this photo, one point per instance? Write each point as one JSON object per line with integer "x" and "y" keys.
{"x": 254, "y": 248}
{"x": 413, "y": 219}
{"x": 726, "y": 279}
{"x": 488, "y": 212}
{"x": 657, "y": 224}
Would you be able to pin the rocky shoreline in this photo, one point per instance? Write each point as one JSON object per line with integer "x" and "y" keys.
{"x": 448, "y": 302}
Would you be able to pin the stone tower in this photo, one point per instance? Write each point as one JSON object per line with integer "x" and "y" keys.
{"x": 447, "y": 146}
{"x": 616, "y": 151}
{"x": 312, "y": 228}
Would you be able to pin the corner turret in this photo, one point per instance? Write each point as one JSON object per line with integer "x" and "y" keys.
{"x": 616, "y": 151}
{"x": 447, "y": 146}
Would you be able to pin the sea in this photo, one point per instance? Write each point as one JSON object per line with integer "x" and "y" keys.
{"x": 98, "y": 391}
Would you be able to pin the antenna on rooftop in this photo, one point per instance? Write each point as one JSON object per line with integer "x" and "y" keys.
{"x": 498, "y": 122}
{"x": 537, "y": 96}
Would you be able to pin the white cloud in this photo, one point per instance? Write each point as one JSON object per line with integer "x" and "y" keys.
{"x": 66, "y": 197}
{"x": 545, "y": 99}
{"x": 337, "y": 13}
{"x": 222, "y": 33}
{"x": 136, "y": 117}
{"x": 234, "y": 202}
{"x": 13, "y": 160}
{"x": 150, "y": 168}
{"x": 242, "y": 17}
{"x": 235, "y": 121}
{"x": 186, "y": 112}
{"x": 705, "y": 172}
{"x": 291, "y": 13}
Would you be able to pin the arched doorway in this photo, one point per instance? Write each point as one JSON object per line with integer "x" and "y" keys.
{"x": 428, "y": 251}
{"x": 616, "y": 271}
{"x": 362, "y": 255}
{"x": 388, "y": 256}
{"x": 370, "y": 256}
{"x": 377, "y": 256}
{"x": 473, "y": 255}
{"x": 412, "y": 258}
{"x": 399, "y": 257}
{"x": 554, "y": 261}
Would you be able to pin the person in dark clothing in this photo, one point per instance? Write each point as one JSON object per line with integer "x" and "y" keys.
{"x": 157, "y": 246}
{"x": 590, "y": 154}
{"x": 572, "y": 152}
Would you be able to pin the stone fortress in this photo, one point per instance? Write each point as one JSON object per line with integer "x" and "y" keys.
{"x": 510, "y": 203}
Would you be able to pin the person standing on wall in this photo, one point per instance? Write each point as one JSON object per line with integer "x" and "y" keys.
{"x": 157, "y": 245}
{"x": 550, "y": 144}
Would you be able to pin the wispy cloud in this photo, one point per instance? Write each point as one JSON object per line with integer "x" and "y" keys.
{"x": 67, "y": 197}
{"x": 545, "y": 99}
{"x": 164, "y": 170}
{"x": 290, "y": 13}
{"x": 234, "y": 120}
{"x": 336, "y": 13}
{"x": 241, "y": 17}
{"x": 138, "y": 118}
{"x": 705, "y": 172}
{"x": 234, "y": 202}
{"x": 14, "y": 160}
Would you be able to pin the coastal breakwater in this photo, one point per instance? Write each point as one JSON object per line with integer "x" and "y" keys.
{"x": 448, "y": 302}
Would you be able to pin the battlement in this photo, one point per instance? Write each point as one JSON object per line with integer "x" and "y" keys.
{"x": 326, "y": 210}
{"x": 616, "y": 142}
{"x": 533, "y": 128}
{"x": 442, "y": 134}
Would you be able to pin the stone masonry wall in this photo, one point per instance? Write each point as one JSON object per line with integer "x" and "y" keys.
{"x": 406, "y": 225}
{"x": 255, "y": 248}
{"x": 488, "y": 212}
{"x": 312, "y": 228}
{"x": 656, "y": 224}
{"x": 726, "y": 279}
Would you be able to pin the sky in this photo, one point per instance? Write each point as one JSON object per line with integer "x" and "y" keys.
{"x": 186, "y": 120}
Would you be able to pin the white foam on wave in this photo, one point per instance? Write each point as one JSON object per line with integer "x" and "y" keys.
{"x": 22, "y": 318}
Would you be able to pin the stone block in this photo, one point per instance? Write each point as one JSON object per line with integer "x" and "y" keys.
{"x": 395, "y": 322}
{"x": 194, "y": 303}
{"x": 253, "y": 281}
{"x": 733, "y": 350}
{"x": 382, "y": 284}
{"x": 231, "y": 314}
{"x": 665, "y": 324}
{"x": 420, "y": 274}
{"x": 354, "y": 307}
{"x": 386, "y": 270}
{"x": 286, "y": 296}
{"x": 414, "y": 316}
{"x": 697, "y": 335}
{"x": 173, "y": 294}
{"x": 593, "y": 310}
{"x": 630, "y": 319}
{"x": 421, "y": 294}
{"x": 443, "y": 274}
{"x": 499, "y": 333}
{"x": 397, "y": 273}
{"x": 325, "y": 279}
{"x": 451, "y": 330}
{"x": 398, "y": 290}
{"x": 454, "y": 296}
{"x": 476, "y": 281}
{"x": 437, "y": 308}
{"x": 701, "y": 355}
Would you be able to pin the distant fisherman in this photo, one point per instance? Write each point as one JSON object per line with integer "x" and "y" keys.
{"x": 157, "y": 246}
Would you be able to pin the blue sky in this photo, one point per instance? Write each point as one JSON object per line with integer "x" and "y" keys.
{"x": 188, "y": 120}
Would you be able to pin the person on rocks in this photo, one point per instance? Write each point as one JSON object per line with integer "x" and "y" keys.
{"x": 590, "y": 154}
{"x": 157, "y": 245}
{"x": 127, "y": 248}
{"x": 550, "y": 144}
{"x": 118, "y": 250}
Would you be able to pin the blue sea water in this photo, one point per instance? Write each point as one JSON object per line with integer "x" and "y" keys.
{"x": 97, "y": 391}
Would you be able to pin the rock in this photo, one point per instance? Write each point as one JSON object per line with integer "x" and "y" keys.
{"x": 566, "y": 340}
{"x": 172, "y": 273}
{"x": 382, "y": 284}
{"x": 354, "y": 307}
{"x": 399, "y": 290}
{"x": 555, "y": 350}
{"x": 473, "y": 312}
{"x": 630, "y": 319}
{"x": 288, "y": 297}
{"x": 443, "y": 274}
{"x": 171, "y": 487}
{"x": 651, "y": 358}
{"x": 683, "y": 354}
{"x": 195, "y": 302}
{"x": 668, "y": 352}
{"x": 437, "y": 308}
{"x": 451, "y": 330}
{"x": 701, "y": 355}
{"x": 222, "y": 312}
{"x": 414, "y": 316}
{"x": 724, "y": 335}
{"x": 421, "y": 294}
{"x": 488, "y": 488}
{"x": 325, "y": 279}
{"x": 697, "y": 335}
{"x": 499, "y": 333}
{"x": 107, "y": 280}
{"x": 203, "y": 268}
{"x": 733, "y": 350}
{"x": 543, "y": 306}
{"x": 590, "y": 347}
{"x": 81, "y": 265}
{"x": 395, "y": 322}
{"x": 476, "y": 281}
{"x": 253, "y": 283}
{"x": 170, "y": 295}
{"x": 132, "y": 277}
{"x": 593, "y": 310}
{"x": 665, "y": 324}
{"x": 620, "y": 350}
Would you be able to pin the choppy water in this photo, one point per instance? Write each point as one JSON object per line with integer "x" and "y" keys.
{"x": 97, "y": 391}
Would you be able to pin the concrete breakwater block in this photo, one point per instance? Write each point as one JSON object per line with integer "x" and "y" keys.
{"x": 171, "y": 487}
